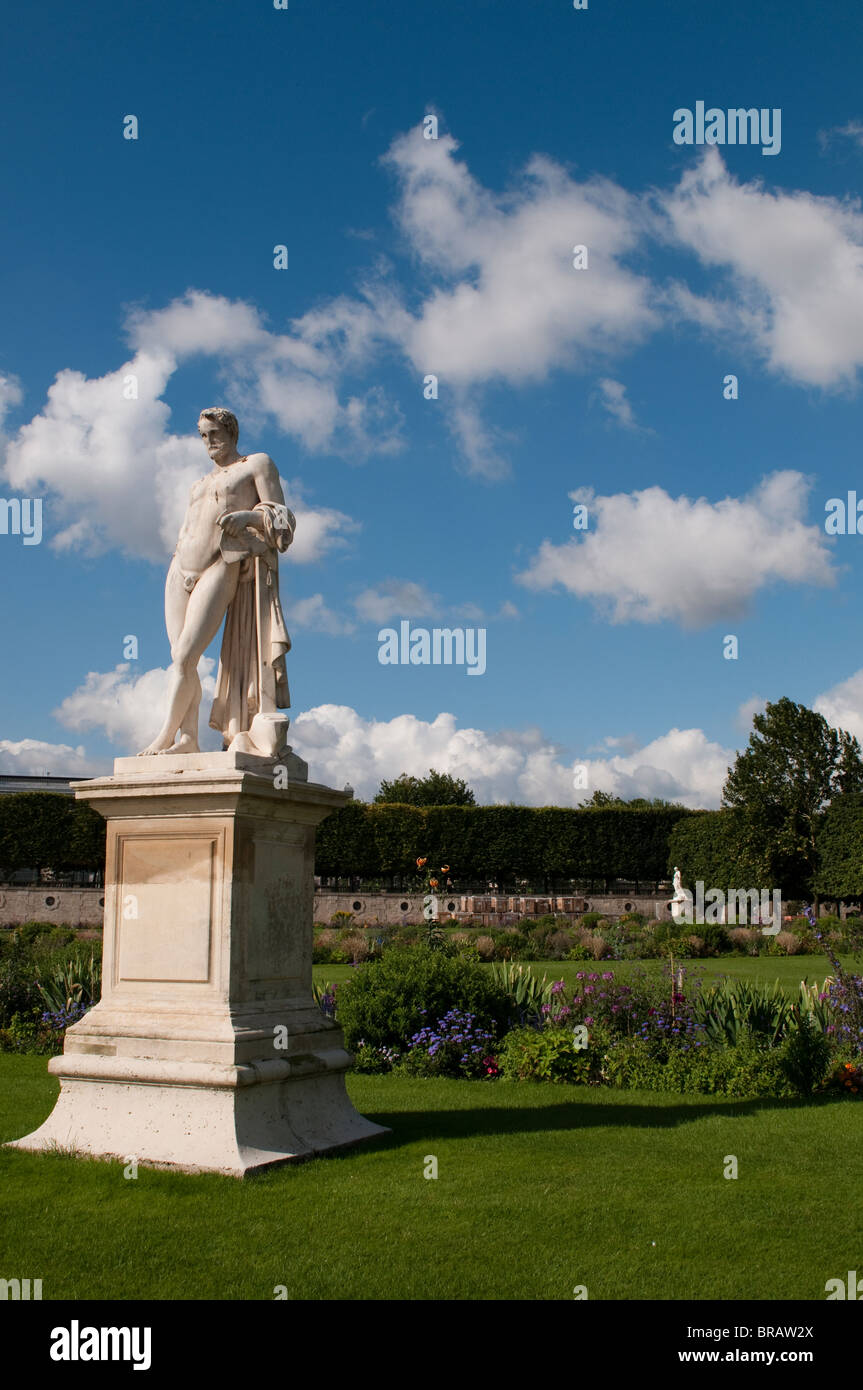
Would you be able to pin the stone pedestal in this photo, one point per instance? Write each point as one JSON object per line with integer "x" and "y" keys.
{"x": 207, "y": 1052}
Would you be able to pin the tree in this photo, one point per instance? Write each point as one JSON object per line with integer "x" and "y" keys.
{"x": 840, "y": 849}
{"x": 602, "y": 800}
{"x": 437, "y": 789}
{"x": 795, "y": 765}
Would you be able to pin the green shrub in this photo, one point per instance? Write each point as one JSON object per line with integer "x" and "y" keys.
{"x": 672, "y": 935}
{"x": 715, "y": 937}
{"x": 550, "y": 1054}
{"x": 389, "y": 1000}
{"x": 588, "y": 920}
{"x": 27, "y": 933}
{"x": 18, "y": 992}
{"x": 374, "y": 1061}
{"x": 27, "y": 1033}
{"x": 805, "y": 1054}
{"x": 32, "y": 938}
{"x": 510, "y": 945}
{"x": 579, "y": 952}
{"x": 648, "y": 947}
{"x": 743, "y": 1071}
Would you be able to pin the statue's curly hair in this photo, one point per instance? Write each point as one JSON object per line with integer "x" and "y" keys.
{"x": 220, "y": 416}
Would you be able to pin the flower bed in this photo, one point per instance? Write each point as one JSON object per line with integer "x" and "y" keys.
{"x": 663, "y": 1031}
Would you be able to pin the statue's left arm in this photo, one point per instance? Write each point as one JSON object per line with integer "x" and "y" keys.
{"x": 273, "y": 519}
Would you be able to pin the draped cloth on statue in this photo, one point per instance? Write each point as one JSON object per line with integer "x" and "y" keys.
{"x": 252, "y": 677}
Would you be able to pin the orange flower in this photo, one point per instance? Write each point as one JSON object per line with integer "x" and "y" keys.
{"x": 444, "y": 868}
{"x": 433, "y": 883}
{"x": 420, "y": 863}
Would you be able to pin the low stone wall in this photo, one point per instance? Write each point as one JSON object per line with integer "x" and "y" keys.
{"x": 390, "y": 909}
{"x": 84, "y": 906}
{"x": 73, "y": 907}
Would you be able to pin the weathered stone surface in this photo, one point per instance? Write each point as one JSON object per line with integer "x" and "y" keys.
{"x": 206, "y": 1051}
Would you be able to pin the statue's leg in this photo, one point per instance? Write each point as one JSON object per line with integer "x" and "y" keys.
{"x": 198, "y": 624}
{"x": 176, "y": 603}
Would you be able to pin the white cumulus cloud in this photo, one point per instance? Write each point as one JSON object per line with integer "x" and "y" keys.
{"x": 647, "y": 556}
{"x": 522, "y": 766}
{"x": 396, "y": 598}
{"x": 793, "y": 267}
{"x": 842, "y": 705}
{"x": 32, "y": 757}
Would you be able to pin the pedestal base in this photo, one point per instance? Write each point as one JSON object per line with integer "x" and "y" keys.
{"x": 207, "y": 1052}
{"x": 202, "y": 1115}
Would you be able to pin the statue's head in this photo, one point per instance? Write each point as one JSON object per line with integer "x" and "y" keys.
{"x": 218, "y": 415}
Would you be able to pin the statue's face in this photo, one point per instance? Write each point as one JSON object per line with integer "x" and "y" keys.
{"x": 216, "y": 440}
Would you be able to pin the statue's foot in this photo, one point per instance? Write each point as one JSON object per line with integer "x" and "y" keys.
{"x": 185, "y": 744}
{"x": 159, "y": 745}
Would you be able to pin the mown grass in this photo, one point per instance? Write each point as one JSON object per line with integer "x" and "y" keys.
{"x": 540, "y": 1189}
{"x": 789, "y": 970}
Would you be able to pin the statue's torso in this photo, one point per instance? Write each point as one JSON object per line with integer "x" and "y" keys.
{"x": 230, "y": 489}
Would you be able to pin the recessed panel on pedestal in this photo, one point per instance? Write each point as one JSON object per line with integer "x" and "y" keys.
{"x": 165, "y": 903}
{"x": 278, "y": 910}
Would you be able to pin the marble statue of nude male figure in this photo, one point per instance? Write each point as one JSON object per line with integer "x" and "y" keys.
{"x": 202, "y": 583}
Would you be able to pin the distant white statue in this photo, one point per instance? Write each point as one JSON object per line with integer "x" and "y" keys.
{"x": 680, "y": 901}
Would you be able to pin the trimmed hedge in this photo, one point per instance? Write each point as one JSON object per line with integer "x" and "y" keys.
{"x": 724, "y": 849}
{"x": 499, "y": 842}
{"x": 49, "y": 830}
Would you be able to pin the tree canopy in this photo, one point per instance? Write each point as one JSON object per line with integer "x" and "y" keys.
{"x": 600, "y": 800}
{"x": 796, "y": 764}
{"x": 437, "y": 789}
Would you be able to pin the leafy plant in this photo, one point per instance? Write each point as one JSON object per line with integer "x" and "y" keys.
{"x": 374, "y": 1061}
{"x": 730, "y": 1010}
{"x": 805, "y": 1054}
{"x": 550, "y": 1055}
{"x": 324, "y": 994}
{"x": 74, "y": 981}
{"x": 743, "y": 1070}
{"x": 389, "y": 1000}
{"x": 526, "y": 992}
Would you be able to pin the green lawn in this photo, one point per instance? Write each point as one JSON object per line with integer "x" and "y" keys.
{"x": 540, "y": 1189}
{"x": 789, "y": 970}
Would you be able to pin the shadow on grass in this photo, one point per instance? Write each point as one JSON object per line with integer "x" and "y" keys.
{"x": 409, "y": 1125}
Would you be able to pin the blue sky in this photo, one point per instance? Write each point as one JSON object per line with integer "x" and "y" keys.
{"x": 453, "y": 256}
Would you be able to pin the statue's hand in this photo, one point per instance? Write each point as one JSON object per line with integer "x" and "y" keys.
{"x": 235, "y": 523}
